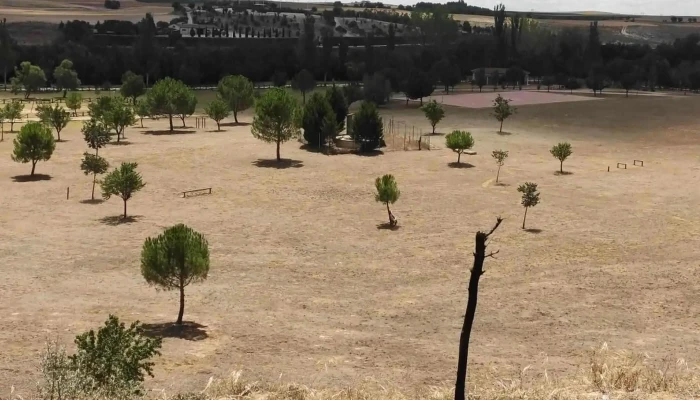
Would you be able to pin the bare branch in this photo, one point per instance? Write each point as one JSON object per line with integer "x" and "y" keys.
{"x": 498, "y": 222}
{"x": 492, "y": 254}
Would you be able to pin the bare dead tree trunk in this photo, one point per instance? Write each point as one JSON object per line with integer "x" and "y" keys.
{"x": 476, "y": 272}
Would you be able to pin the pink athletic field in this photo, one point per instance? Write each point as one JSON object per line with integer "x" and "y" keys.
{"x": 518, "y": 98}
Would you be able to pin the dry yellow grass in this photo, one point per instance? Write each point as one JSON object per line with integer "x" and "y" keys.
{"x": 305, "y": 286}
{"x": 87, "y": 10}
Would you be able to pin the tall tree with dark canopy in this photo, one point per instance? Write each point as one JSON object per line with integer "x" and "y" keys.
{"x": 8, "y": 54}
{"x": 175, "y": 259}
{"x": 368, "y": 128}
{"x": 447, "y": 73}
{"x": 237, "y": 92}
{"x": 133, "y": 86}
{"x": 304, "y": 82}
{"x": 93, "y": 164}
{"x": 66, "y": 77}
{"x": 275, "y": 118}
{"x": 314, "y": 115}
{"x": 165, "y": 97}
{"x": 339, "y": 104}
{"x": 417, "y": 85}
{"x": 34, "y": 143}
{"x": 473, "y": 296}
{"x": 123, "y": 182}
{"x": 499, "y": 31}
{"x": 146, "y": 48}
{"x": 480, "y": 78}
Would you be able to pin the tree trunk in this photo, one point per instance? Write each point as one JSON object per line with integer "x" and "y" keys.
{"x": 12, "y": 126}
{"x": 524, "y": 217}
{"x": 218, "y": 126}
{"x": 33, "y": 166}
{"x": 627, "y": 93}
{"x": 141, "y": 122}
{"x": 26, "y": 95}
{"x": 124, "y": 209}
{"x": 500, "y": 130}
{"x": 433, "y": 129}
{"x": 182, "y": 303}
{"x": 473, "y": 289}
{"x": 421, "y": 101}
{"x": 388, "y": 212}
{"x": 65, "y": 93}
{"x": 58, "y": 133}
{"x": 170, "y": 116}
{"x": 561, "y": 167}
{"x": 94, "y": 179}
{"x": 183, "y": 121}
{"x": 459, "y": 156}
{"x": 498, "y": 173}
{"x": 235, "y": 115}
{"x": 278, "y": 150}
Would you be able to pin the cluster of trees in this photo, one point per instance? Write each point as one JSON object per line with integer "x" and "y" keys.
{"x": 113, "y": 4}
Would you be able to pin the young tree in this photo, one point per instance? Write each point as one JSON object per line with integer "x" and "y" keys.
{"x": 459, "y": 141}
{"x": 237, "y": 91}
{"x": 274, "y": 120}
{"x": 339, "y": 104}
{"x": 629, "y": 81}
{"x": 502, "y": 110}
{"x": 313, "y": 116}
{"x": 376, "y": 88}
{"x": 480, "y": 78}
{"x": 74, "y": 101}
{"x": 142, "y": 110}
{"x": 548, "y": 81}
{"x": 119, "y": 116}
{"x": 93, "y": 164}
{"x": 30, "y": 77}
{"x": 217, "y": 110}
{"x": 304, "y": 82}
{"x": 174, "y": 259}
{"x": 329, "y": 129}
{"x": 66, "y": 77}
{"x": 133, "y": 86}
{"x": 123, "y": 182}
{"x": 13, "y": 111}
{"x": 531, "y": 197}
{"x": 55, "y": 117}
{"x": 500, "y": 157}
{"x": 561, "y": 152}
{"x": 96, "y": 134}
{"x": 186, "y": 105}
{"x": 473, "y": 295}
{"x": 165, "y": 96}
{"x": 113, "y": 361}
{"x": 388, "y": 193}
{"x": 368, "y": 128}
{"x": 434, "y": 113}
{"x": 34, "y": 143}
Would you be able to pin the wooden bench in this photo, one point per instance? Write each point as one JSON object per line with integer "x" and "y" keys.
{"x": 196, "y": 192}
{"x": 623, "y": 164}
{"x": 641, "y": 163}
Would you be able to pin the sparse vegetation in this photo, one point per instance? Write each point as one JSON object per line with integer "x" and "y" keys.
{"x": 500, "y": 157}
{"x": 530, "y": 197}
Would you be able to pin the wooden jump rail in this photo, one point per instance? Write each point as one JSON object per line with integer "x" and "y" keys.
{"x": 618, "y": 165}
{"x": 185, "y": 193}
{"x": 641, "y": 163}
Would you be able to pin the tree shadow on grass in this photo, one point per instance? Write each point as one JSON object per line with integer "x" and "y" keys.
{"x": 188, "y": 330}
{"x": 460, "y": 165}
{"x": 31, "y": 178}
{"x": 92, "y": 201}
{"x": 504, "y": 133}
{"x": 558, "y": 173}
{"x": 167, "y": 132}
{"x": 235, "y": 124}
{"x": 281, "y": 164}
{"x": 533, "y": 230}
{"x": 115, "y": 220}
{"x": 120, "y": 143}
{"x": 388, "y": 226}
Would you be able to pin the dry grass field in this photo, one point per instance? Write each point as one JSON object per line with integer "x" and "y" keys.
{"x": 55, "y": 11}
{"x": 305, "y": 287}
